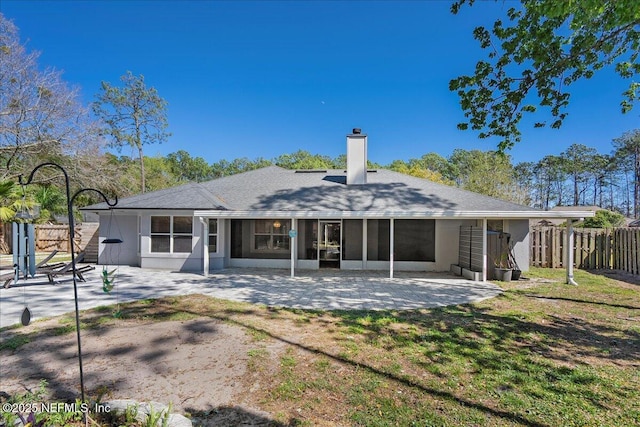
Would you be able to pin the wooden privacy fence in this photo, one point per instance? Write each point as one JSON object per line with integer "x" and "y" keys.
{"x": 594, "y": 248}
{"x": 56, "y": 237}
{"x": 50, "y": 237}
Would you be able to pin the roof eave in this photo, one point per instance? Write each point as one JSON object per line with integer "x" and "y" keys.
{"x": 391, "y": 214}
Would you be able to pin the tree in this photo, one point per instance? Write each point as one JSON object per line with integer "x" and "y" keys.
{"x": 41, "y": 118}
{"x": 524, "y": 180}
{"x": 550, "y": 176}
{"x": 485, "y": 172}
{"x": 8, "y": 199}
{"x": 430, "y": 166}
{"x": 302, "y": 159}
{"x": 134, "y": 115}
{"x": 188, "y": 168}
{"x": 549, "y": 45}
{"x": 438, "y": 164}
{"x": 576, "y": 162}
{"x": 159, "y": 173}
{"x": 602, "y": 169}
{"x": 52, "y": 201}
{"x": 604, "y": 219}
{"x": 628, "y": 152}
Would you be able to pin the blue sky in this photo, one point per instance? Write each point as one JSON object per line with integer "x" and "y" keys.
{"x": 264, "y": 78}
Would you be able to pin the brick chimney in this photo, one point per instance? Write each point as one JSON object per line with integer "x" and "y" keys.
{"x": 356, "y": 158}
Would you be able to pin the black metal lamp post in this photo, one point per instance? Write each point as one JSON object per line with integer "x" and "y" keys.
{"x": 70, "y": 200}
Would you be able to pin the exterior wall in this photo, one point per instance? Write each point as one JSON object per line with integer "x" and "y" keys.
{"x": 307, "y": 264}
{"x": 259, "y": 263}
{"x": 446, "y": 250}
{"x": 446, "y": 247}
{"x": 123, "y": 227}
{"x": 519, "y": 230}
{"x": 447, "y": 242}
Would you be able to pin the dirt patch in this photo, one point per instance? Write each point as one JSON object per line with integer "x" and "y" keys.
{"x": 200, "y": 366}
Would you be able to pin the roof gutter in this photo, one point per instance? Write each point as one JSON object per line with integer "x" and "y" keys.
{"x": 393, "y": 214}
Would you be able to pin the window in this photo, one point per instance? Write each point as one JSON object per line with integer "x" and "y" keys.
{"x": 171, "y": 234}
{"x": 308, "y": 239}
{"x": 378, "y": 239}
{"x": 260, "y": 239}
{"x": 271, "y": 235}
{"x": 213, "y": 236}
{"x": 352, "y": 239}
{"x": 414, "y": 239}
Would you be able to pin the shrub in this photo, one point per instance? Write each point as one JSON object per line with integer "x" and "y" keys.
{"x": 604, "y": 219}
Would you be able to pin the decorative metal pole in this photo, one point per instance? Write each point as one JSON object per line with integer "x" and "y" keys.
{"x": 70, "y": 200}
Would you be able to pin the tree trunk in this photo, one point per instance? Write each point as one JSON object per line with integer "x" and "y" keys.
{"x": 636, "y": 183}
{"x": 142, "y": 180}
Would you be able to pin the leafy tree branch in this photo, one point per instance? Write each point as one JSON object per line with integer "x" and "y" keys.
{"x": 546, "y": 46}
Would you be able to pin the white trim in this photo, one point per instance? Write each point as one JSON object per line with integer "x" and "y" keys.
{"x": 205, "y": 245}
{"x": 484, "y": 250}
{"x": 391, "y": 214}
{"x": 365, "y": 242}
{"x": 391, "y": 244}
{"x": 293, "y": 246}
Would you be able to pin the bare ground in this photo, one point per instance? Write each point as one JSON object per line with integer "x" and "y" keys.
{"x": 199, "y": 366}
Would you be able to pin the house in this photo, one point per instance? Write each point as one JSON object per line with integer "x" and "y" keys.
{"x": 309, "y": 219}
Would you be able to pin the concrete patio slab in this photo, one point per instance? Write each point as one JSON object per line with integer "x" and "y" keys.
{"x": 317, "y": 289}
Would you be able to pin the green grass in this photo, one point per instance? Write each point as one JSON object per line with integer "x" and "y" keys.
{"x": 16, "y": 341}
{"x": 545, "y": 355}
{"x": 542, "y": 355}
{"x": 527, "y": 354}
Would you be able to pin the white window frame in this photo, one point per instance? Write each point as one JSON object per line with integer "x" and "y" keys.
{"x": 213, "y": 235}
{"x": 284, "y": 232}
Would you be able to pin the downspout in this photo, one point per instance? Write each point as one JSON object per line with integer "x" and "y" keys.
{"x": 569, "y": 253}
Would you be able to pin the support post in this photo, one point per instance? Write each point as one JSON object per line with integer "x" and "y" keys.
{"x": 569, "y": 253}
{"x": 294, "y": 238}
{"x": 391, "y": 245}
{"x": 205, "y": 246}
{"x": 364, "y": 244}
{"x": 484, "y": 250}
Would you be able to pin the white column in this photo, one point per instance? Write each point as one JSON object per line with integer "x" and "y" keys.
{"x": 484, "y": 249}
{"x": 205, "y": 245}
{"x": 569, "y": 253}
{"x": 293, "y": 245}
{"x": 364, "y": 243}
{"x": 391, "y": 244}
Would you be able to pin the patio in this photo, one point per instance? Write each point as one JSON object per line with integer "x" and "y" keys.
{"x": 317, "y": 289}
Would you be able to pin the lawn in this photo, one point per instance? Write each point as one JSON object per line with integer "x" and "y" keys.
{"x": 542, "y": 354}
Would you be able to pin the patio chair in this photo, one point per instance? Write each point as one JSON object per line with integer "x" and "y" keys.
{"x": 43, "y": 263}
{"x": 67, "y": 268}
{"x": 8, "y": 278}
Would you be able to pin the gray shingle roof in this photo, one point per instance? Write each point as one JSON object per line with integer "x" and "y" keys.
{"x": 275, "y": 188}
